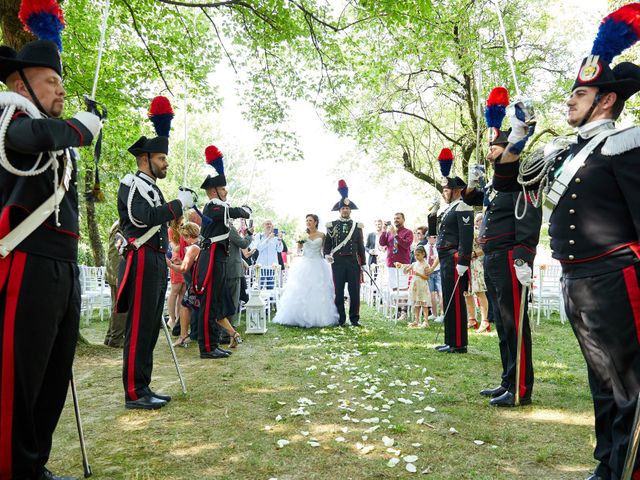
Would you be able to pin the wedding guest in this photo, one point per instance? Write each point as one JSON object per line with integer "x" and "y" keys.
{"x": 419, "y": 296}
{"x": 435, "y": 282}
{"x": 177, "y": 287}
{"x": 397, "y": 238}
{"x": 268, "y": 245}
{"x": 190, "y": 233}
{"x": 235, "y": 268}
{"x": 373, "y": 247}
{"x": 477, "y": 286}
{"x": 115, "y": 332}
{"x": 419, "y": 238}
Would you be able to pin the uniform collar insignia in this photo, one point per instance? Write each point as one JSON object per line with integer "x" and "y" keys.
{"x": 591, "y": 129}
{"x": 146, "y": 177}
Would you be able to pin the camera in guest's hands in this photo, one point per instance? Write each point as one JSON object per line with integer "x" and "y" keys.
{"x": 387, "y": 223}
{"x": 275, "y": 231}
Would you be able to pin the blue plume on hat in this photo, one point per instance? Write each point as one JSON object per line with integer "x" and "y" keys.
{"x": 214, "y": 157}
{"x": 343, "y": 189}
{"x": 618, "y": 31}
{"x": 161, "y": 114}
{"x": 44, "y": 19}
{"x": 496, "y": 108}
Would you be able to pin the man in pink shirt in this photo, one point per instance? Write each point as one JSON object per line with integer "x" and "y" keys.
{"x": 398, "y": 240}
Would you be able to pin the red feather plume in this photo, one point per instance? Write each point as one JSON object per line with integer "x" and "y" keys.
{"x": 159, "y": 106}
{"x": 629, "y": 14}
{"x": 342, "y": 184}
{"x": 30, "y": 7}
{"x": 211, "y": 153}
{"x": 445, "y": 154}
{"x": 498, "y": 96}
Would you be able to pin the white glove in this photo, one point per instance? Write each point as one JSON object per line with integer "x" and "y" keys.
{"x": 90, "y": 121}
{"x": 186, "y": 198}
{"x": 461, "y": 269}
{"x": 524, "y": 274}
{"x": 329, "y": 258}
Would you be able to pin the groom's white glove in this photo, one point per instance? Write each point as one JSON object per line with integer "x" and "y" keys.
{"x": 329, "y": 259}
{"x": 461, "y": 269}
{"x": 523, "y": 272}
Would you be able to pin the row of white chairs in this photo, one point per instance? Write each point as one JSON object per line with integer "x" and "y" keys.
{"x": 95, "y": 292}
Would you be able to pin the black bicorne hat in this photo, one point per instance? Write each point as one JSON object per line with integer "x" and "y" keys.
{"x": 214, "y": 158}
{"x": 343, "y": 189}
{"x": 453, "y": 182}
{"x": 212, "y": 182}
{"x": 623, "y": 79}
{"x": 149, "y": 145}
{"x": 39, "y": 53}
{"x": 499, "y": 137}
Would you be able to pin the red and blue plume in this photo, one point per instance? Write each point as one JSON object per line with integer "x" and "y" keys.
{"x": 214, "y": 158}
{"x": 161, "y": 115}
{"x": 43, "y": 18}
{"x": 496, "y": 108}
{"x": 446, "y": 161}
{"x": 618, "y": 31}
{"x": 343, "y": 189}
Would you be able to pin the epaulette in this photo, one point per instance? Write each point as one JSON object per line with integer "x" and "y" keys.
{"x": 360, "y": 225}
{"x": 128, "y": 179}
{"x": 329, "y": 225}
{"x": 621, "y": 142}
{"x": 464, "y": 207}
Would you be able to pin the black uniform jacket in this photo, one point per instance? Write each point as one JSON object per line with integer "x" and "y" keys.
{"x": 26, "y": 138}
{"x": 595, "y": 228}
{"x": 456, "y": 232}
{"x": 145, "y": 213}
{"x": 337, "y": 231}
{"x": 213, "y": 225}
{"x": 500, "y": 229}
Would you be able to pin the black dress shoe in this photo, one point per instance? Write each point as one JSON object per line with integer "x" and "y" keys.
{"x": 217, "y": 353}
{"x": 225, "y": 351}
{"x": 166, "y": 398}
{"x": 451, "y": 349}
{"x": 493, "y": 392}
{"x": 508, "y": 399}
{"x": 145, "y": 403}
{"x": 47, "y": 475}
{"x": 442, "y": 347}
{"x": 344, "y": 324}
{"x": 355, "y": 324}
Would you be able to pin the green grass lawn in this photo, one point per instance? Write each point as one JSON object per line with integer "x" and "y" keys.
{"x": 348, "y": 401}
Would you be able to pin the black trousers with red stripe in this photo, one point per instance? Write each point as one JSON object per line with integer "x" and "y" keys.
{"x": 216, "y": 304}
{"x": 40, "y": 305}
{"x": 145, "y": 286}
{"x": 604, "y": 312}
{"x": 455, "y": 321}
{"x": 504, "y": 289}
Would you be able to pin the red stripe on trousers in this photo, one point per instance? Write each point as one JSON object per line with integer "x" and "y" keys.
{"x": 455, "y": 292}
{"x": 631, "y": 281}
{"x": 135, "y": 326}
{"x": 8, "y": 372}
{"x": 209, "y": 282}
{"x": 123, "y": 282}
{"x": 515, "y": 287}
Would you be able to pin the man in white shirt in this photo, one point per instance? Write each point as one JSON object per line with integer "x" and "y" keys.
{"x": 268, "y": 245}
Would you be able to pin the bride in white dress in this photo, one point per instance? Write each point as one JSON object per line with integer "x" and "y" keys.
{"x": 308, "y": 298}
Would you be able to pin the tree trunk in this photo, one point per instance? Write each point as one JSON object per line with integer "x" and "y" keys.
{"x": 92, "y": 223}
{"x": 13, "y": 32}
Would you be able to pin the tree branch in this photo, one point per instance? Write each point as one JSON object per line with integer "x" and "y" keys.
{"x": 146, "y": 46}
{"x": 424, "y": 119}
{"x": 233, "y": 65}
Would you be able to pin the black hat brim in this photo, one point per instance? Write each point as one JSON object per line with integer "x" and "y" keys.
{"x": 453, "y": 183}
{"x": 212, "y": 182}
{"x": 40, "y": 53}
{"x": 341, "y": 204}
{"x": 149, "y": 145}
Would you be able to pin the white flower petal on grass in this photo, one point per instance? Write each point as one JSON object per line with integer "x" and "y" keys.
{"x": 478, "y": 442}
{"x": 340, "y": 439}
{"x": 426, "y": 471}
{"x": 372, "y": 429}
{"x": 453, "y": 431}
{"x": 367, "y": 449}
{"x": 278, "y": 418}
{"x": 387, "y": 441}
{"x": 429, "y": 409}
{"x": 394, "y": 451}
{"x": 406, "y": 401}
{"x": 410, "y": 458}
{"x": 282, "y": 442}
{"x": 282, "y": 403}
{"x": 416, "y": 445}
{"x": 267, "y": 427}
{"x": 371, "y": 420}
{"x": 411, "y": 468}
{"x": 344, "y": 429}
{"x": 305, "y": 434}
{"x": 414, "y": 383}
{"x": 313, "y": 444}
{"x": 393, "y": 462}
{"x": 346, "y": 417}
{"x": 359, "y": 446}
{"x": 320, "y": 392}
{"x": 420, "y": 421}
{"x": 365, "y": 438}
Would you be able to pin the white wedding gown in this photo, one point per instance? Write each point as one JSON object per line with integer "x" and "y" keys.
{"x": 308, "y": 298}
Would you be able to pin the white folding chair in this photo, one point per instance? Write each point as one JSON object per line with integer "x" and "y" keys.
{"x": 398, "y": 297}
{"x": 548, "y": 292}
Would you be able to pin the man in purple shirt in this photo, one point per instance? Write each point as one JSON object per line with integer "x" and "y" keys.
{"x": 398, "y": 240}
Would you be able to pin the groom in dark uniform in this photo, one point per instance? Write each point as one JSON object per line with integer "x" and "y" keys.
{"x": 344, "y": 249}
